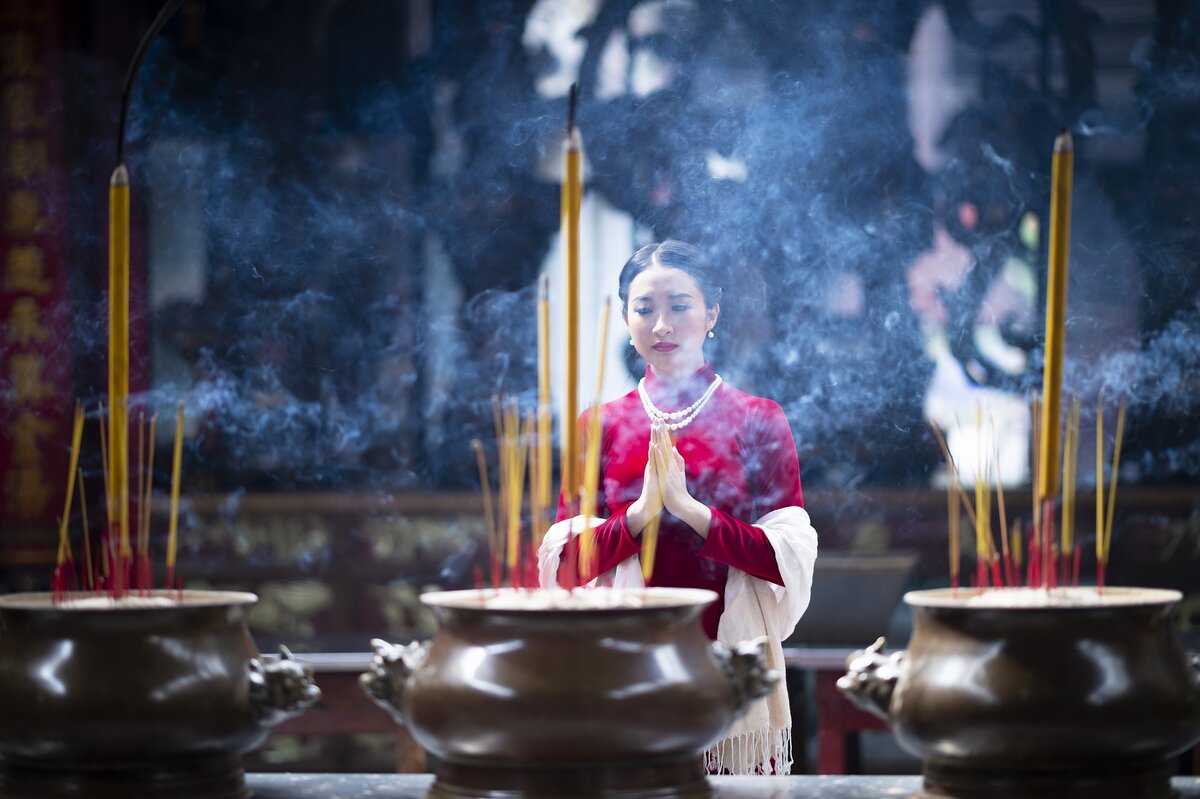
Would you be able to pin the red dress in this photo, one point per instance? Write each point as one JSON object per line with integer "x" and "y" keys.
{"x": 740, "y": 461}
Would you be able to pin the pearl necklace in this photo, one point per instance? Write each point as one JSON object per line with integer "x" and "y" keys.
{"x": 676, "y": 420}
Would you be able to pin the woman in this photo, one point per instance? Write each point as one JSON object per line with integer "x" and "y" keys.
{"x": 718, "y": 468}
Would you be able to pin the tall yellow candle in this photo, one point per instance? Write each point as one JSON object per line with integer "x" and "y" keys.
{"x": 1056, "y": 303}
{"x": 118, "y": 350}
{"x": 572, "y": 197}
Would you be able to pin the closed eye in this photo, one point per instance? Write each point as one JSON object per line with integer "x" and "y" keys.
{"x": 642, "y": 311}
{"x": 681, "y": 308}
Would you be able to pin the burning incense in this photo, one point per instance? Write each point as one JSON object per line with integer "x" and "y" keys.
{"x": 89, "y": 571}
{"x": 1006, "y": 554}
{"x": 76, "y": 438}
{"x": 591, "y": 469}
{"x": 1035, "y": 462}
{"x": 1017, "y": 555}
{"x": 64, "y": 543}
{"x": 144, "y": 570}
{"x": 488, "y": 515}
{"x": 541, "y": 505}
{"x": 572, "y": 198}
{"x": 1056, "y": 302}
{"x": 514, "y": 478}
{"x": 952, "y": 489}
{"x": 1070, "y": 461}
{"x": 173, "y": 519}
{"x": 1112, "y": 485}
{"x": 118, "y": 354}
{"x": 1101, "y": 557}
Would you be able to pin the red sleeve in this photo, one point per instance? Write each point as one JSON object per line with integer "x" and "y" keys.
{"x": 775, "y": 482}
{"x": 614, "y": 543}
{"x": 742, "y": 546}
{"x": 775, "y": 467}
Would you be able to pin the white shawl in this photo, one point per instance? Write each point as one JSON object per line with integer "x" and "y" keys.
{"x": 761, "y": 740}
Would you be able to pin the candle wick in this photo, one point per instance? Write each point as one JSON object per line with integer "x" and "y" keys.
{"x": 165, "y": 13}
{"x": 571, "y": 108}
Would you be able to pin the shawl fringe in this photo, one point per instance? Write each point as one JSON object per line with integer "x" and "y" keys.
{"x": 764, "y": 751}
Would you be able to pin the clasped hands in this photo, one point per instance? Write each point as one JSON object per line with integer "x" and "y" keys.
{"x": 664, "y": 486}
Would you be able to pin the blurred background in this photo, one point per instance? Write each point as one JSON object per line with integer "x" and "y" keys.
{"x": 341, "y": 209}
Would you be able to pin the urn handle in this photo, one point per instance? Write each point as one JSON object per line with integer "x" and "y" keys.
{"x": 745, "y": 667}
{"x": 280, "y": 687}
{"x": 871, "y": 677}
{"x": 385, "y": 679}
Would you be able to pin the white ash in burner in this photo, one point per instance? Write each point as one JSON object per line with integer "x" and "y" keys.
{"x": 561, "y": 599}
{"x": 1063, "y": 597}
{"x": 106, "y": 602}
{"x": 1036, "y": 597}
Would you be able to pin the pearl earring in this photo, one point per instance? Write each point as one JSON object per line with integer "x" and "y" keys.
{"x": 711, "y": 334}
{"x": 631, "y": 342}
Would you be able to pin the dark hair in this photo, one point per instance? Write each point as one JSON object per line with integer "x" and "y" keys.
{"x": 677, "y": 255}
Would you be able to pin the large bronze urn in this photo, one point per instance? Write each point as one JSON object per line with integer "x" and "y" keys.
{"x": 609, "y": 699}
{"x": 152, "y": 697}
{"x": 1070, "y": 693}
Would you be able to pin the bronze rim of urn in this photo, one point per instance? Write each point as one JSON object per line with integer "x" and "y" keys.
{"x": 587, "y": 702}
{"x": 1037, "y": 701}
{"x": 136, "y": 700}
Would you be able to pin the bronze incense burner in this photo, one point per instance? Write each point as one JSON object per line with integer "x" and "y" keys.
{"x": 577, "y": 701}
{"x": 101, "y": 700}
{"x": 1094, "y": 698}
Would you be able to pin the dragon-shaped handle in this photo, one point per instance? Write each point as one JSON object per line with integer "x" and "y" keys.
{"x": 871, "y": 677}
{"x": 280, "y": 687}
{"x": 386, "y": 677}
{"x": 745, "y": 667}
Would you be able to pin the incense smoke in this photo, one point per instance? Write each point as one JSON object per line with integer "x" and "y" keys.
{"x": 364, "y": 238}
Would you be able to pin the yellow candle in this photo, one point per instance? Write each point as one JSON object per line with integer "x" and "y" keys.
{"x": 1056, "y": 303}
{"x": 572, "y": 197}
{"x": 118, "y": 350}
{"x": 176, "y": 467}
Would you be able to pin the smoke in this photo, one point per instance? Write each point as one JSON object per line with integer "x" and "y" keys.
{"x": 316, "y": 348}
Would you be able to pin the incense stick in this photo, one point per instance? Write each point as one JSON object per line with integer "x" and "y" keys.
{"x": 1070, "y": 462}
{"x": 1006, "y": 554}
{"x": 514, "y": 478}
{"x": 591, "y": 469}
{"x": 1112, "y": 481}
{"x": 952, "y": 521}
{"x": 1035, "y": 464}
{"x": 1101, "y": 555}
{"x": 173, "y": 518}
{"x": 545, "y": 465}
{"x": 87, "y": 540}
{"x": 488, "y": 515}
{"x": 64, "y": 542}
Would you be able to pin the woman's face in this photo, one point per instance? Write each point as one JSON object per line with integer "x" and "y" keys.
{"x": 668, "y": 320}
